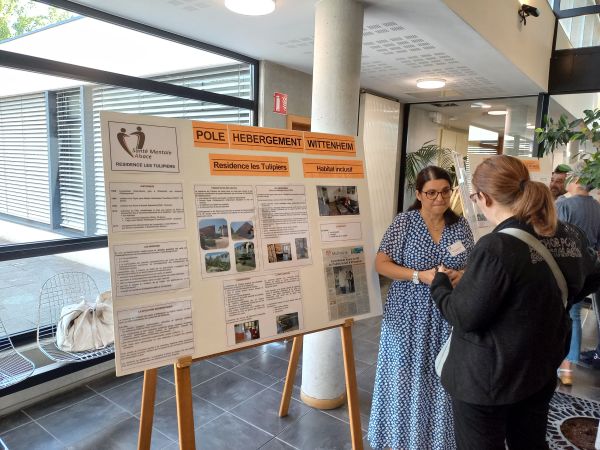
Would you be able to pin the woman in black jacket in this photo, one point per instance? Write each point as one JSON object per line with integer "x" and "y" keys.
{"x": 511, "y": 331}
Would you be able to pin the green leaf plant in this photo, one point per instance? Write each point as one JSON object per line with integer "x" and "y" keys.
{"x": 561, "y": 132}
{"x": 428, "y": 154}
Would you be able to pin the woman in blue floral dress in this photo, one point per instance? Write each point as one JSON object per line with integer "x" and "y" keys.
{"x": 411, "y": 410}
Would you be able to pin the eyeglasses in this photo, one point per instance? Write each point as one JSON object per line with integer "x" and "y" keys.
{"x": 432, "y": 195}
{"x": 474, "y": 196}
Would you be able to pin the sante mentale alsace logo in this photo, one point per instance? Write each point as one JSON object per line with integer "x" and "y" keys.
{"x": 143, "y": 147}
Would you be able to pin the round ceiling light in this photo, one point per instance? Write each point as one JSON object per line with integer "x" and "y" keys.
{"x": 431, "y": 83}
{"x": 497, "y": 113}
{"x": 251, "y": 7}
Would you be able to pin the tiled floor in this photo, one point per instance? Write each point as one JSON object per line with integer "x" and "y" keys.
{"x": 235, "y": 397}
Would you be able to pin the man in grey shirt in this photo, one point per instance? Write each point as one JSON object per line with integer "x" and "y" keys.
{"x": 582, "y": 210}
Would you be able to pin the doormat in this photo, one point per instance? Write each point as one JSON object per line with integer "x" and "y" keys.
{"x": 563, "y": 407}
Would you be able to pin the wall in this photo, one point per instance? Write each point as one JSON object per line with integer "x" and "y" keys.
{"x": 528, "y": 47}
{"x": 297, "y": 85}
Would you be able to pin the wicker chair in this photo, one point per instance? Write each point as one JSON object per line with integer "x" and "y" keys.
{"x": 58, "y": 291}
{"x": 14, "y": 367}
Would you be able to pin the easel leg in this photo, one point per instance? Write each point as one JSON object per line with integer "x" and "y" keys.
{"x": 147, "y": 409}
{"x": 351, "y": 386}
{"x": 291, "y": 375}
{"x": 185, "y": 411}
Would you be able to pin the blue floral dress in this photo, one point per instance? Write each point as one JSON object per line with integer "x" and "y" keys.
{"x": 410, "y": 409}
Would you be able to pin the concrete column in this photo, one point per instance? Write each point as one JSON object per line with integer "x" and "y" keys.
{"x": 335, "y": 99}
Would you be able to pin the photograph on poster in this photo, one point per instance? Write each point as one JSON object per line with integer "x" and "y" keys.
{"x": 344, "y": 279}
{"x": 242, "y": 230}
{"x": 301, "y": 248}
{"x": 244, "y": 256}
{"x": 338, "y": 200}
{"x": 287, "y": 322}
{"x": 217, "y": 262}
{"x": 213, "y": 234}
{"x": 247, "y": 331}
{"x": 279, "y": 252}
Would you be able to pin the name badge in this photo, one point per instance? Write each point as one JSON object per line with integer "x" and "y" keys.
{"x": 456, "y": 249}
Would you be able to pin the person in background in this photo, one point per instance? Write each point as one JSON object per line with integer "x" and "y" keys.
{"x": 410, "y": 408}
{"x": 511, "y": 329}
{"x": 557, "y": 181}
{"x": 582, "y": 210}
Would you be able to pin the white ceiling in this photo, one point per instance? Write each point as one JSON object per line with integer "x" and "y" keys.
{"x": 403, "y": 40}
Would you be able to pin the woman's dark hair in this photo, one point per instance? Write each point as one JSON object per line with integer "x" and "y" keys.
{"x": 433, "y": 173}
{"x": 506, "y": 180}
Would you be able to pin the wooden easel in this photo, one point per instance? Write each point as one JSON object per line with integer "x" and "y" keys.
{"x": 183, "y": 393}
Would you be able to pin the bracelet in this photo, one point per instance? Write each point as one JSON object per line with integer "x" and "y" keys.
{"x": 415, "y": 277}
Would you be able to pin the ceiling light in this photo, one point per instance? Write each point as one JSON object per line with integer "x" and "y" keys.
{"x": 480, "y": 105}
{"x": 251, "y": 7}
{"x": 530, "y": 126}
{"x": 431, "y": 83}
{"x": 497, "y": 113}
{"x": 485, "y": 106}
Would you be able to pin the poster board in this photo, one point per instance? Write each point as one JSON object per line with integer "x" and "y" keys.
{"x": 226, "y": 236}
{"x": 540, "y": 169}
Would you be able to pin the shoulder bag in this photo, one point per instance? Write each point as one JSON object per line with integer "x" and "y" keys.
{"x": 533, "y": 242}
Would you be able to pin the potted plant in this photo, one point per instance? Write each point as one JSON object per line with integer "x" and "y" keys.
{"x": 427, "y": 155}
{"x": 561, "y": 132}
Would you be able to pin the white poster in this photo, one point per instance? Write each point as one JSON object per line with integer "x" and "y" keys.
{"x": 146, "y": 206}
{"x": 226, "y": 222}
{"x": 143, "y": 148}
{"x": 150, "y": 267}
{"x": 261, "y": 307}
{"x": 346, "y": 278}
{"x": 341, "y": 231}
{"x": 284, "y": 226}
{"x": 154, "y": 335}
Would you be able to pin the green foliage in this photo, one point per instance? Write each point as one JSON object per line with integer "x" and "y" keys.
{"x": 428, "y": 154}
{"x": 17, "y": 17}
{"x": 561, "y": 132}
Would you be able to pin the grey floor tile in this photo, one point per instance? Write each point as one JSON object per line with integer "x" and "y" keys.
{"x": 227, "y": 390}
{"x": 72, "y": 424}
{"x": 365, "y": 351}
{"x": 229, "y": 432}
{"x": 296, "y": 390}
{"x": 364, "y": 399}
{"x": 262, "y": 411}
{"x": 269, "y": 364}
{"x": 200, "y": 372}
{"x": 165, "y": 415}
{"x": 30, "y": 437}
{"x": 276, "y": 444}
{"x": 245, "y": 355}
{"x": 317, "y": 430}
{"x": 13, "y": 420}
{"x": 281, "y": 349}
{"x": 129, "y": 395}
{"x": 223, "y": 361}
{"x": 120, "y": 436}
{"x": 366, "y": 378}
{"x": 360, "y": 366}
{"x": 110, "y": 381}
{"x": 255, "y": 375}
{"x": 59, "y": 401}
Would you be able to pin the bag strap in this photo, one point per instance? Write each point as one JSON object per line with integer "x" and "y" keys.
{"x": 532, "y": 241}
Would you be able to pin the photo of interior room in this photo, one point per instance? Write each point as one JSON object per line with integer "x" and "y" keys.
{"x": 338, "y": 200}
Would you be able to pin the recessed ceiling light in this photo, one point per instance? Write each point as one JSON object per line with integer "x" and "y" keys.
{"x": 480, "y": 105}
{"x": 431, "y": 83}
{"x": 251, "y": 7}
{"x": 497, "y": 113}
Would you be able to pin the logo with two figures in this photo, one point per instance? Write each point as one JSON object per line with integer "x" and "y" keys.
{"x": 123, "y": 141}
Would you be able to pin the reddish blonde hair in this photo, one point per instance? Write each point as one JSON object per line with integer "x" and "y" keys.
{"x": 506, "y": 180}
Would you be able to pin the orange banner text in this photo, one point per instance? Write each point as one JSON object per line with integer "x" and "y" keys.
{"x": 210, "y": 135}
{"x": 258, "y": 166}
{"x": 329, "y": 144}
{"x": 332, "y": 168}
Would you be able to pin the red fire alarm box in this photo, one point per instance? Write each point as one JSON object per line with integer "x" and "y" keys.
{"x": 280, "y": 103}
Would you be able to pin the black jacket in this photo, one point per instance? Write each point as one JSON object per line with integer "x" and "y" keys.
{"x": 511, "y": 331}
